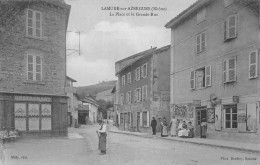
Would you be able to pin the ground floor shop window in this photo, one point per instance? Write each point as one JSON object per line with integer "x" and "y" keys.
{"x": 230, "y": 116}
{"x": 38, "y": 116}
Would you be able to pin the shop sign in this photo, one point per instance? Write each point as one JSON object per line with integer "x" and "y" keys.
{"x": 165, "y": 95}
{"x": 197, "y": 103}
{"x": 32, "y": 98}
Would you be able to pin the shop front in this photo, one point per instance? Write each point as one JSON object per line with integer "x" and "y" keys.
{"x": 34, "y": 115}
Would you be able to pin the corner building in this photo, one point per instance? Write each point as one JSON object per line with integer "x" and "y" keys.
{"x": 215, "y": 66}
{"x": 33, "y": 67}
{"x": 143, "y": 89}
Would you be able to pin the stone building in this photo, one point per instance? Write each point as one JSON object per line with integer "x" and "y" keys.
{"x": 143, "y": 89}
{"x": 214, "y": 66}
{"x": 73, "y": 102}
{"x": 33, "y": 66}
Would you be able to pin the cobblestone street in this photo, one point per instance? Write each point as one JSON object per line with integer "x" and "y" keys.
{"x": 81, "y": 148}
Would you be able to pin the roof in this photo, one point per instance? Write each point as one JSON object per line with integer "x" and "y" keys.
{"x": 90, "y": 101}
{"x": 187, "y": 13}
{"x": 154, "y": 51}
{"x": 253, "y": 4}
{"x": 71, "y": 79}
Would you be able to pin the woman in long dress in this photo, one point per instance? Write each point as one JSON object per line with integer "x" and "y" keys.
{"x": 102, "y": 136}
{"x": 173, "y": 126}
{"x": 164, "y": 125}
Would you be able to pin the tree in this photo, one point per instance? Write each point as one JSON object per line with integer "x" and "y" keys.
{"x": 103, "y": 107}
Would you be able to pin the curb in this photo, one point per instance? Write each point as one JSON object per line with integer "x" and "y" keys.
{"x": 192, "y": 142}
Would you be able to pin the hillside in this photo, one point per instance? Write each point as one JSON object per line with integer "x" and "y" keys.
{"x": 84, "y": 91}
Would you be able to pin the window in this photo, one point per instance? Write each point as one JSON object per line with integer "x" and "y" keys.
{"x": 201, "y": 42}
{"x": 138, "y": 95}
{"x": 228, "y": 2}
{"x": 128, "y": 97}
{"x": 137, "y": 74}
{"x": 123, "y": 80}
{"x": 230, "y": 27}
{"x": 34, "y": 68}
{"x": 201, "y": 78}
{"x": 145, "y": 118}
{"x": 144, "y": 93}
{"x": 144, "y": 71}
{"x": 201, "y": 15}
{"x": 122, "y": 99}
{"x": 34, "y": 24}
{"x": 229, "y": 70}
{"x": 129, "y": 78}
{"x": 253, "y": 64}
{"x": 230, "y": 116}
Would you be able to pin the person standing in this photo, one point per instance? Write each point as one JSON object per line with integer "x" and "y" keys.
{"x": 203, "y": 128}
{"x": 164, "y": 125}
{"x": 102, "y": 136}
{"x": 153, "y": 125}
{"x": 173, "y": 126}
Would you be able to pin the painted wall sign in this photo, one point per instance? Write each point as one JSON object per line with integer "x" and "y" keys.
{"x": 211, "y": 115}
{"x": 32, "y": 98}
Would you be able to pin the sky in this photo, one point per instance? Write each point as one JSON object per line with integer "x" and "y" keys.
{"x": 107, "y": 36}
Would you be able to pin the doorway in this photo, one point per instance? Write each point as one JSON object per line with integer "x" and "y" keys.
{"x": 201, "y": 112}
{"x": 82, "y": 117}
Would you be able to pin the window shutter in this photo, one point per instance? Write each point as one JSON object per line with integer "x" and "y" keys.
{"x": 130, "y": 97}
{"x": 241, "y": 111}
{"x": 140, "y": 95}
{"x": 203, "y": 41}
{"x": 30, "y": 22}
{"x": 232, "y": 69}
{"x": 224, "y": 71}
{"x": 232, "y": 26}
{"x": 141, "y": 119}
{"x": 225, "y": 30}
{"x": 130, "y": 78}
{"x": 192, "y": 80}
{"x": 148, "y": 119}
{"x": 142, "y": 71}
{"x": 253, "y": 64}
{"x": 30, "y": 67}
{"x": 208, "y": 76}
{"x": 38, "y": 68}
{"x": 145, "y": 70}
{"x": 135, "y": 74}
{"x": 135, "y": 96}
{"x": 38, "y": 24}
{"x": 198, "y": 43}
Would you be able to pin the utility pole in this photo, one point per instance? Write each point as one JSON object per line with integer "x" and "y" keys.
{"x": 75, "y": 50}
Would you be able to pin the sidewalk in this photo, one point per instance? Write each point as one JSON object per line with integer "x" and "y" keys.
{"x": 225, "y": 142}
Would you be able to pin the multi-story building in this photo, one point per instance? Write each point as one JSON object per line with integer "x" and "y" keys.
{"x": 214, "y": 65}
{"x": 33, "y": 66}
{"x": 143, "y": 89}
{"x": 71, "y": 92}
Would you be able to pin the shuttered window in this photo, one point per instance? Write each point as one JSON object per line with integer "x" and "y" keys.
{"x": 34, "y": 68}
{"x": 192, "y": 79}
{"x": 253, "y": 64}
{"x": 230, "y": 27}
{"x": 144, "y": 71}
{"x": 201, "y": 42}
{"x": 144, "y": 93}
{"x": 137, "y": 74}
{"x": 208, "y": 76}
{"x": 34, "y": 24}
{"x": 123, "y": 80}
{"x": 128, "y": 97}
{"x": 229, "y": 70}
{"x": 129, "y": 78}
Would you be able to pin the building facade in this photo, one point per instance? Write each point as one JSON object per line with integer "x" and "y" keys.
{"x": 33, "y": 67}
{"x": 73, "y": 98}
{"x": 214, "y": 65}
{"x": 143, "y": 89}
{"x": 91, "y": 110}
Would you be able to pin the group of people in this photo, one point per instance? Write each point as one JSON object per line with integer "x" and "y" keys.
{"x": 176, "y": 127}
